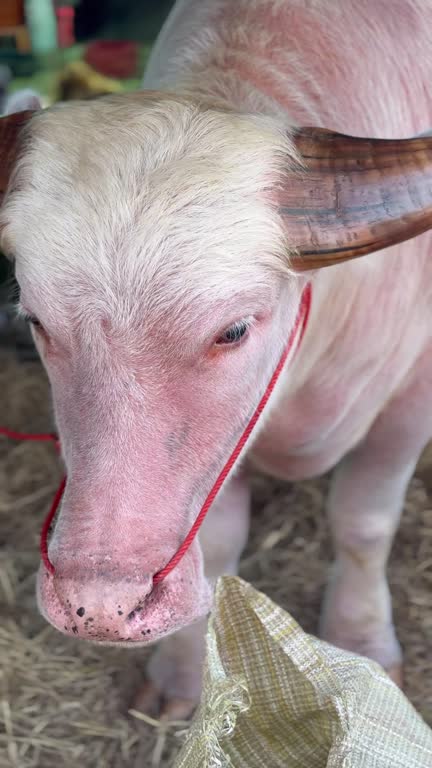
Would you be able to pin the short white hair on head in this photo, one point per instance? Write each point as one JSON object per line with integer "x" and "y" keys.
{"x": 153, "y": 199}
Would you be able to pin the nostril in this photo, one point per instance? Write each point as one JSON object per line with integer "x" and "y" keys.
{"x": 102, "y": 606}
{"x": 138, "y": 608}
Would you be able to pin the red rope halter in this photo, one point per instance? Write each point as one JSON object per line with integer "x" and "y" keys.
{"x": 296, "y": 332}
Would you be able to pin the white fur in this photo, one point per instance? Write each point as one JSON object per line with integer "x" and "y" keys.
{"x": 119, "y": 183}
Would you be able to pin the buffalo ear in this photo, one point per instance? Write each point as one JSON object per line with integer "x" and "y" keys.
{"x": 10, "y": 130}
{"x": 354, "y": 196}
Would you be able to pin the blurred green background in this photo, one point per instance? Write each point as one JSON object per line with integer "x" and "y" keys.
{"x": 135, "y": 20}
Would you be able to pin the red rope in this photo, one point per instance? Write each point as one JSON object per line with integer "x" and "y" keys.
{"x": 298, "y": 330}
{"x": 300, "y": 323}
{"x": 41, "y": 438}
{"x": 49, "y": 437}
{"x": 47, "y": 525}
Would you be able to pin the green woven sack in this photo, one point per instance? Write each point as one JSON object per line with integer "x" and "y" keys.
{"x": 275, "y": 697}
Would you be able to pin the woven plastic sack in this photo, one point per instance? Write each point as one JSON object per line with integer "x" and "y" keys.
{"x": 275, "y": 697}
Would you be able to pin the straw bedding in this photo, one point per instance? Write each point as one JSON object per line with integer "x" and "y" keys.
{"x": 64, "y": 702}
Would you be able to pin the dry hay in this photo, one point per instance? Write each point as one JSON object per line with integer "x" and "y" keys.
{"x": 64, "y": 701}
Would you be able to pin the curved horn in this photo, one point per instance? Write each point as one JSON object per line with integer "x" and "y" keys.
{"x": 355, "y": 196}
{"x": 10, "y": 129}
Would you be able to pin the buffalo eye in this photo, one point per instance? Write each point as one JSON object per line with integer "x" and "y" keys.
{"x": 234, "y": 334}
{"x": 32, "y": 320}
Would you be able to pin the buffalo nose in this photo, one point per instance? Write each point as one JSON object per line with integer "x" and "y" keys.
{"x": 98, "y": 610}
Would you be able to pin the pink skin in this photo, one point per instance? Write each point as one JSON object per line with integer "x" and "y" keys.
{"x": 116, "y": 528}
